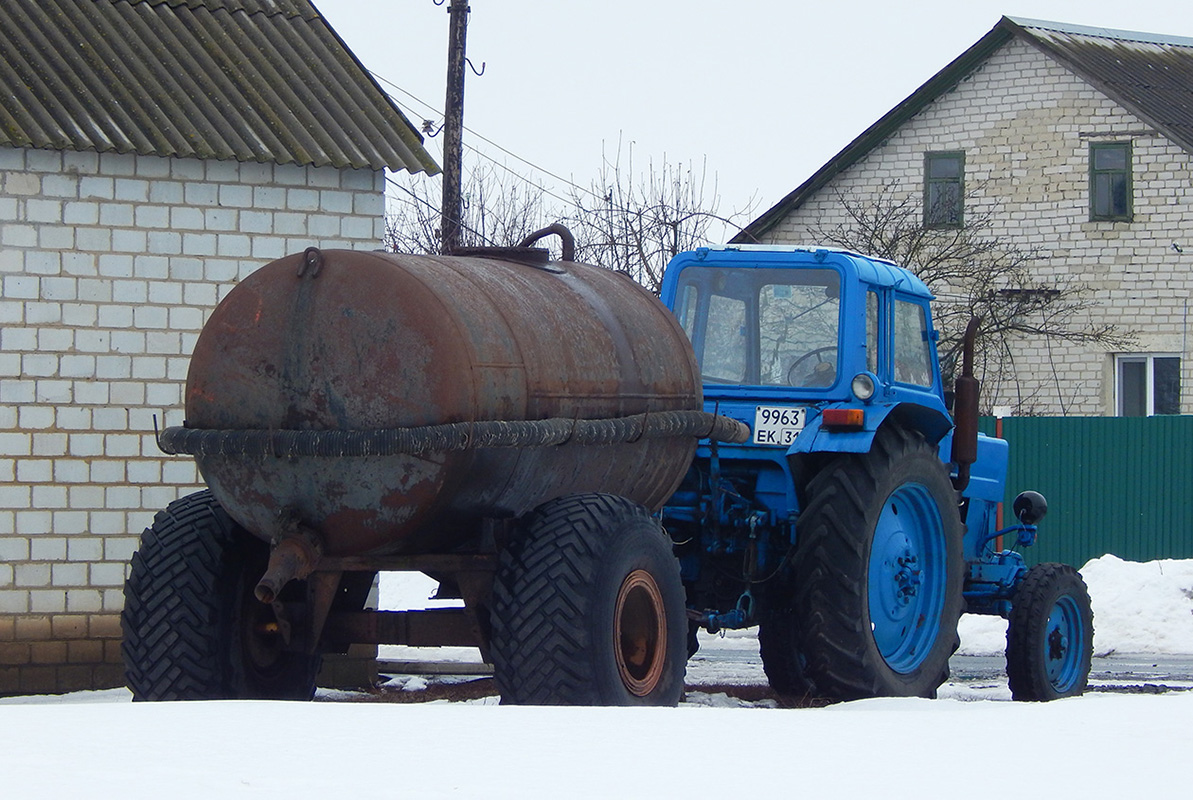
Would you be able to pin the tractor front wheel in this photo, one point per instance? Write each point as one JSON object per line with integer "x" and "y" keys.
{"x": 1050, "y": 634}
{"x": 588, "y": 608}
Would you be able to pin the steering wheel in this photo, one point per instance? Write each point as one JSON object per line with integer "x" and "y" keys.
{"x": 822, "y": 373}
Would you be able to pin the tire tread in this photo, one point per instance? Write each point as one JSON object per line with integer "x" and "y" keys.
{"x": 541, "y": 599}
{"x": 830, "y": 574}
{"x": 1034, "y": 597}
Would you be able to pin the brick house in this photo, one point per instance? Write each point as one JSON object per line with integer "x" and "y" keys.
{"x": 1078, "y": 144}
{"x": 152, "y": 153}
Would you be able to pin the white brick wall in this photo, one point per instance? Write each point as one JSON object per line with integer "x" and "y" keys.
{"x": 1025, "y": 124}
{"x": 109, "y": 265}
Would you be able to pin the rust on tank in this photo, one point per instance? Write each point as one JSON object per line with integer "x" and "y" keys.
{"x": 315, "y": 381}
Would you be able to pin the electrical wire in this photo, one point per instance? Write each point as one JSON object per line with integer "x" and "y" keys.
{"x": 437, "y": 210}
{"x": 509, "y": 169}
{"x": 485, "y": 139}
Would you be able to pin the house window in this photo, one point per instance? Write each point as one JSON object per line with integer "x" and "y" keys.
{"x": 943, "y": 189}
{"x": 1147, "y": 385}
{"x": 1110, "y": 181}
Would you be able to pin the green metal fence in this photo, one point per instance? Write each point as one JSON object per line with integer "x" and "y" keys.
{"x": 1114, "y": 484}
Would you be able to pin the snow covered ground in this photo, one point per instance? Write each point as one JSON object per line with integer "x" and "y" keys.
{"x": 98, "y": 745}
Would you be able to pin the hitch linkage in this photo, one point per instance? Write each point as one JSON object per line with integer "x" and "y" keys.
{"x": 740, "y": 617}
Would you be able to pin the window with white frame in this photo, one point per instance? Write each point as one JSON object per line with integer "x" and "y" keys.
{"x": 1147, "y": 384}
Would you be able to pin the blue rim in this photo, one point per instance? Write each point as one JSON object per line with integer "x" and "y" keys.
{"x": 907, "y": 577}
{"x": 1064, "y": 642}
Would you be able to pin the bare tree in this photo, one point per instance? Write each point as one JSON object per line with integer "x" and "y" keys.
{"x": 627, "y": 221}
{"x": 972, "y": 271}
{"x": 636, "y": 223}
{"x": 500, "y": 209}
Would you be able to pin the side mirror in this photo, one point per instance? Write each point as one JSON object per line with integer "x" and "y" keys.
{"x": 1030, "y": 507}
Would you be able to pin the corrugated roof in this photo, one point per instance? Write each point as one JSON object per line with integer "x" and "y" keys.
{"x": 1151, "y": 75}
{"x": 250, "y": 80}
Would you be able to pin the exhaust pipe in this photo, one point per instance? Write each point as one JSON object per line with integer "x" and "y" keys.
{"x": 965, "y": 410}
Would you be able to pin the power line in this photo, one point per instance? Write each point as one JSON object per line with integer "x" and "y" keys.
{"x": 518, "y": 175}
{"x": 485, "y": 139}
{"x": 511, "y": 170}
{"x": 435, "y": 209}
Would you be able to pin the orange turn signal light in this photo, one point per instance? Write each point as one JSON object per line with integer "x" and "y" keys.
{"x": 847, "y": 418}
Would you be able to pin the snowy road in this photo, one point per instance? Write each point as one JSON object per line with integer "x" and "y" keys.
{"x": 731, "y": 665}
{"x": 727, "y": 662}
{"x": 1145, "y": 609}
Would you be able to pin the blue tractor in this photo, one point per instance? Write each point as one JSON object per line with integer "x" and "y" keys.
{"x": 530, "y": 434}
{"x": 859, "y": 520}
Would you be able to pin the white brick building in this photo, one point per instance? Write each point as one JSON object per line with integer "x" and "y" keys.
{"x": 117, "y": 238}
{"x": 1015, "y": 124}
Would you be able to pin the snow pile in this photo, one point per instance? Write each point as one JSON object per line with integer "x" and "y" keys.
{"x": 1138, "y": 608}
{"x": 1141, "y": 607}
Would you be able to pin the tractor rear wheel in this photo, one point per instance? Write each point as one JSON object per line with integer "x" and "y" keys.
{"x": 878, "y": 572}
{"x": 588, "y": 608}
{"x": 779, "y": 648}
{"x": 1050, "y": 634}
{"x": 192, "y": 628}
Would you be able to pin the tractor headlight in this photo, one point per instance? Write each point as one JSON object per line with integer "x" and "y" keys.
{"x": 863, "y": 386}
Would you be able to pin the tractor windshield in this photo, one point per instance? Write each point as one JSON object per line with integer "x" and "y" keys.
{"x": 771, "y": 327}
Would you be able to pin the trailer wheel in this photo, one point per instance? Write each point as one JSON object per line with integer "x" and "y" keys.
{"x": 588, "y": 608}
{"x": 192, "y": 628}
{"x": 1050, "y": 634}
{"x": 878, "y": 572}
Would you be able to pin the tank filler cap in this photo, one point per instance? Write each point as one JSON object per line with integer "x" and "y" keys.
{"x": 537, "y": 257}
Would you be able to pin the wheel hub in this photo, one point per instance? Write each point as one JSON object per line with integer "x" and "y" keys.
{"x": 640, "y": 633}
{"x": 906, "y": 577}
{"x": 1058, "y": 643}
{"x": 1062, "y": 661}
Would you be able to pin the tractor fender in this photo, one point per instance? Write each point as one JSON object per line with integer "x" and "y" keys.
{"x": 815, "y": 438}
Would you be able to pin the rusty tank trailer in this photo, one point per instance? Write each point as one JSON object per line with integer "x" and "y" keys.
{"x": 336, "y": 341}
{"x": 353, "y": 412}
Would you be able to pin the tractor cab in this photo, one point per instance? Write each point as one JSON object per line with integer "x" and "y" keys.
{"x": 785, "y": 334}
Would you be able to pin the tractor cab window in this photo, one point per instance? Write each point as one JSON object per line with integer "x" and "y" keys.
{"x": 798, "y": 334}
{"x": 872, "y": 332}
{"x": 913, "y": 348}
{"x": 685, "y": 309}
{"x": 771, "y": 327}
{"x": 725, "y": 345}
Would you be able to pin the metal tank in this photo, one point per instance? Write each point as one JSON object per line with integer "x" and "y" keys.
{"x": 387, "y": 402}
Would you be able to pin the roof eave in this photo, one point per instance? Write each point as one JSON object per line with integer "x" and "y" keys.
{"x": 880, "y": 131}
{"x": 414, "y": 141}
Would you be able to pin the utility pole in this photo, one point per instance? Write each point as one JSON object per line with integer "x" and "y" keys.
{"x": 453, "y": 128}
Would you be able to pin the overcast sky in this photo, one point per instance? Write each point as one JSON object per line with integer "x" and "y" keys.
{"x": 763, "y": 91}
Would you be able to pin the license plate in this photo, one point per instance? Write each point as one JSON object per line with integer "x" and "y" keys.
{"x": 778, "y": 425}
